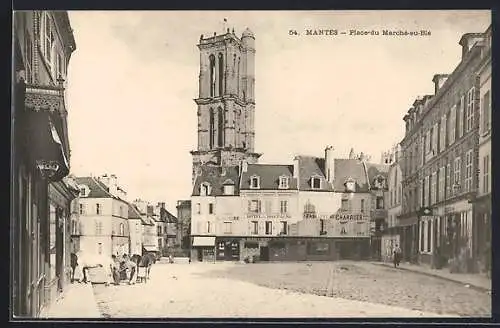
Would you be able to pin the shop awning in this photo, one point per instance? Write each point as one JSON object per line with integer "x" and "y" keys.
{"x": 150, "y": 248}
{"x": 204, "y": 241}
{"x": 43, "y": 140}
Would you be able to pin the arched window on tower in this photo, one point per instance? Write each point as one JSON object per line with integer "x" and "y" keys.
{"x": 238, "y": 77}
{"x": 220, "y": 127}
{"x": 221, "y": 75}
{"x": 212, "y": 128}
{"x": 212, "y": 75}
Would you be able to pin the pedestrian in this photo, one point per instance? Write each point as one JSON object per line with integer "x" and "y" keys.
{"x": 130, "y": 267}
{"x": 74, "y": 264}
{"x": 115, "y": 269}
{"x": 397, "y": 255}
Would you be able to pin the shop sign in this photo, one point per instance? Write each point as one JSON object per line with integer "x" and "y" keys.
{"x": 348, "y": 217}
{"x": 270, "y": 216}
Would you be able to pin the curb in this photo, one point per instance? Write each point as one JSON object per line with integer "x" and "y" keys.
{"x": 472, "y": 286}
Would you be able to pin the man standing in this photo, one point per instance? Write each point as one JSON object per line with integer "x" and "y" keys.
{"x": 397, "y": 255}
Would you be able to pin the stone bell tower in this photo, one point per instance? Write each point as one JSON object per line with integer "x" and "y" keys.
{"x": 226, "y": 100}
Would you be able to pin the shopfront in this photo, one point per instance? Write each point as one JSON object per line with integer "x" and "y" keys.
{"x": 203, "y": 249}
{"x": 228, "y": 249}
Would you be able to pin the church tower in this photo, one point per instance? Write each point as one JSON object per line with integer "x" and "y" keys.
{"x": 226, "y": 100}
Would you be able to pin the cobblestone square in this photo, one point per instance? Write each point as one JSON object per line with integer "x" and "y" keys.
{"x": 288, "y": 290}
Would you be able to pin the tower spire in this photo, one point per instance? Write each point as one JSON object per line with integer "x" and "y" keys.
{"x": 224, "y": 24}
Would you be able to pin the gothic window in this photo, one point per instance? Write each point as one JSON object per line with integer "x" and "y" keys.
{"x": 221, "y": 75}
{"x": 220, "y": 127}
{"x": 238, "y": 77}
{"x": 212, "y": 75}
{"x": 212, "y": 128}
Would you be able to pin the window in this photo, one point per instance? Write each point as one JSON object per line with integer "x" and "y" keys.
{"x": 254, "y": 206}
{"x": 435, "y": 138}
{"x": 398, "y": 198}
{"x": 363, "y": 205}
{"x": 433, "y": 188}
{"x": 254, "y": 182}
{"x": 210, "y": 208}
{"x": 468, "y": 171}
{"x": 284, "y": 207}
{"x": 82, "y": 209}
{"x": 122, "y": 229}
{"x": 442, "y": 134}
{"x": 469, "y": 113}
{"x": 212, "y": 76}
{"x": 309, "y": 210}
{"x": 99, "y": 248}
{"x": 255, "y": 227}
{"x": 380, "y": 202}
{"x": 448, "y": 180}
{"x": 28, "y": 46}
{"x": 221, "y": 75}
{"x": 452, "y": 124}
{"x": 98, "y": 208}
{"x": 460, "y": 117}
{"x": 316, "y": 183}
{"x": 269, "y": 227}
{"x": 422, "y": 235}
{"x": 283, "y": 182}
{"x": 486, "y": 174}
{"x": 458, "y": 164}
{"x": 322, "y": 230}
{"x": 98, "y": 227}
{"x": 228, "y": 227}
{"x": 204, "y": 189}
{"x": 198, "y": 208}
{"x": 137, "y": 228}
{"x": 441, "y": 184}
{"x": 425, "y": 191}
{"x": 486, "y": 112}
{"x": 284, "y": 227}
{"x": 83, "y": 192}
{"x": 344, "y": 205}
{"x": 212, "y": 127}
{"x": 209, "y": 227}
{"x": 220, "y": 125}
{"x": 47, "y": 37}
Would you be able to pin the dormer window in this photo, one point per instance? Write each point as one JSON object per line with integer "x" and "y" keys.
{"x": 316, "y": 182}
{"x": 84, "y": 191}
{"x": 228, "y": 187}
{"x": 350, "y": 185}
{"x": 205, "y": 189}
{"x": 254, "y": 182}
{"x": 283, "y": 182}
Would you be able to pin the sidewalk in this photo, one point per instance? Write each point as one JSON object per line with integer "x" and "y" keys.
{"x": 77, "y": 302}
{"x": 478, "y": 281}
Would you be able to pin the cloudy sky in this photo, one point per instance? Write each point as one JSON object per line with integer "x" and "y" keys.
{"x": 134, "y": 75}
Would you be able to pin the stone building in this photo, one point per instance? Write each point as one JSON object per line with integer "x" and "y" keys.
{"x": 440, "y": 162}
{"x": 135, "y": 230}
{"x": 482, "y": 204}
{"x": 41, "y": 194}
{"x": 103, "y": 215}
{"x": 183, "y": 226}
{"x": 226, "y": 101}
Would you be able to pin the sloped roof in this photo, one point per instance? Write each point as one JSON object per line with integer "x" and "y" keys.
{"x": 310, "y": 166}
{"x": 269, "y": 175}
{"x": 349, "y": 168}
{"x": 170, "y": 218}
{"x": 133, "y": 212}
{"x": 96, "y": 187}
{"x": 216, "y": 176}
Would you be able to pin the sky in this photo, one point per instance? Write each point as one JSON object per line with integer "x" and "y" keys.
{"x": 134, "y": 75}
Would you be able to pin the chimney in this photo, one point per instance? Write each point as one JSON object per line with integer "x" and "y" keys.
{"x": 150, "y": 210}
{"x": 467, "y": 42}
{"x": 329, "y": 164}
{"x": 244, "y": 166}
{"x": 439, "y": 80}
{"x": 351, "y": 154}
{"x": 296, "y": 167}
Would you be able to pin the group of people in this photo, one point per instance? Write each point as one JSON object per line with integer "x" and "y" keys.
{"x": 117, "y": 269}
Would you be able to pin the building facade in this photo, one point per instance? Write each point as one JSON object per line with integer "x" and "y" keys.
{"x": 482, "y": 217}
{"x": 103, "y": 215}
{"x": 183, "y": 226}
{"x": 440, "y": 163}
{"x": 135, "y": 230}
{"x": 226, "y": 101}
{"x": 40, "y": 195}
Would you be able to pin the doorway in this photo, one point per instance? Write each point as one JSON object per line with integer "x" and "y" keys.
{"x": 200, "y": 255}
{"x": 264, "y": 253}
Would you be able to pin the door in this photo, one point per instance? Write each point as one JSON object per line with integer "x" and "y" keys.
{"x": 200, "y": 255}
{"x": 264, "y": 253}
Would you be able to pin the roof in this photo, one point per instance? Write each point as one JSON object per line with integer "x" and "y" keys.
{"x": 147, "y": 220}
{"x": 215, "y": 176}
{"x": 96, "y": 187}
{"x": 349, "y": 168}
{"x": 170, "y": 218}
{"x": 269, "y": 175}
{"x": 375, "y": 170}
{"x": 310, "y": 166}
{"x": 133, "y": 212}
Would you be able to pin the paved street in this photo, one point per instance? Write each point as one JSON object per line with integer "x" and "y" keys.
{"x": 207, "y": 290}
